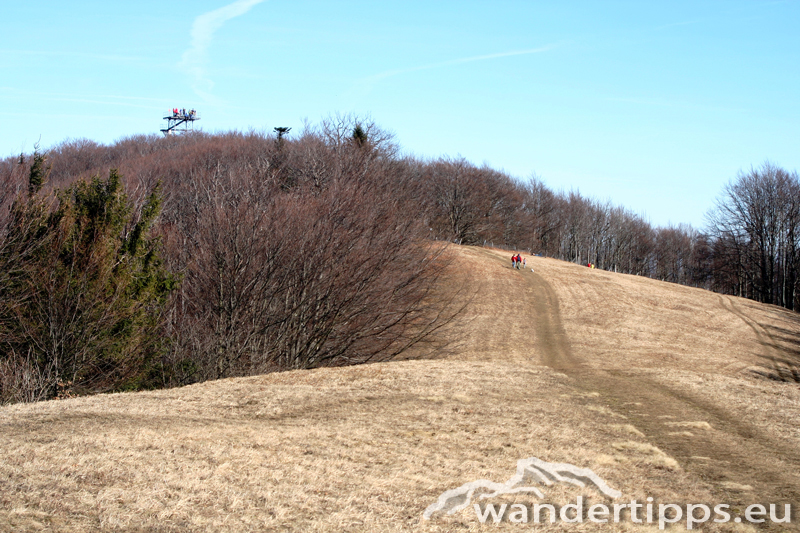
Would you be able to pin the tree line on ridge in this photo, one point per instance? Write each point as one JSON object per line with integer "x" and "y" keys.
{"x": 161, "y": 261}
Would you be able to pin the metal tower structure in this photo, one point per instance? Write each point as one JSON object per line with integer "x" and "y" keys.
{"x": 180, "y": 121}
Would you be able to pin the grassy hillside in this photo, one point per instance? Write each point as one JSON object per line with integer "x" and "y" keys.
{"x": 662, "y": 390}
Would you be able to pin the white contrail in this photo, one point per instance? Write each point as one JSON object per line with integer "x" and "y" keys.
{"x": 390, "y": 73}
{"x": 203, "y": 29}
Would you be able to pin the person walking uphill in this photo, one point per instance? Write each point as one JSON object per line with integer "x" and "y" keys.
{"x": 513, "y": 261}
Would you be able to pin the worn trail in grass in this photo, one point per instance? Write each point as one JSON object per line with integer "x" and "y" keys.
{"x": 743, "y": 463}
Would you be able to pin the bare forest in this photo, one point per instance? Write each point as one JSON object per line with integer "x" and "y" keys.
{"x": 162, "y": 261}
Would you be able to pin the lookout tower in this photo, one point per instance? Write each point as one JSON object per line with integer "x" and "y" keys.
{"x": 180, "y": 121}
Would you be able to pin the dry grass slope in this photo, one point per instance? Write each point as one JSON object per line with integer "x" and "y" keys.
{"x": 649, "y": 384}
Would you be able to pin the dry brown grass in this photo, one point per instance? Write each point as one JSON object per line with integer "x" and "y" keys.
{"x": 369, "y": 448}
{"x": 354, "y": 449}
{"x": 720, "y": 348}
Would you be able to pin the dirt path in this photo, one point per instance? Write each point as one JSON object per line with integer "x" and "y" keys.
{"x": 743, "y": 464}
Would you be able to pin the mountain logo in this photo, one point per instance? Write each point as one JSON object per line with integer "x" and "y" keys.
{"x": 530, "y": 471}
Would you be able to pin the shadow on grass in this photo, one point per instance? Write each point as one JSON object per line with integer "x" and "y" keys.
{"x": 783, "y": 363}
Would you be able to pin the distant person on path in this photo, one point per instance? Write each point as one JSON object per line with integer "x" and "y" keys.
{"x": 514, "y": 261}
{"x": 524, "y": 263}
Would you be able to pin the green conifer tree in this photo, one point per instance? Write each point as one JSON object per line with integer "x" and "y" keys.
{"x": 91, "y": 287}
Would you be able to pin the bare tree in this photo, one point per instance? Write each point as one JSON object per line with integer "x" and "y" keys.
{"x": 755, "y": 223}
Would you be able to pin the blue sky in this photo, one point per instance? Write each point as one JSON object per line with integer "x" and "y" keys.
{"x": 653, "y": 105}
